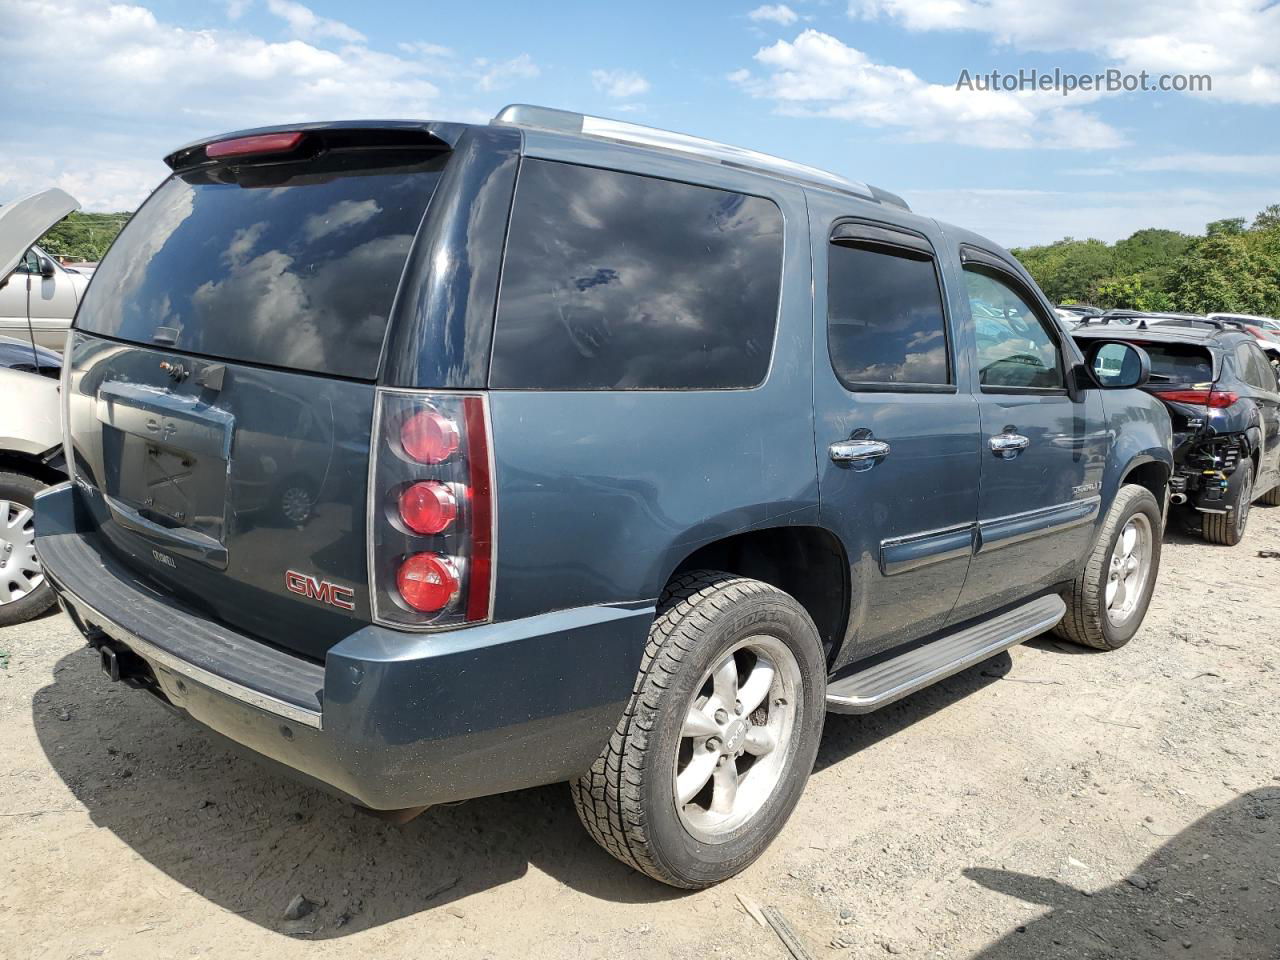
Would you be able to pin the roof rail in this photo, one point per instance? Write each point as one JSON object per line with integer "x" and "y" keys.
{"x": 565, "y": 121}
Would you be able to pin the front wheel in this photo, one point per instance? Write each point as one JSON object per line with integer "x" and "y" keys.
{"x": 718, "y": 740}
{"x": 24, "y": 592}
{"x": 1108, "y": 600}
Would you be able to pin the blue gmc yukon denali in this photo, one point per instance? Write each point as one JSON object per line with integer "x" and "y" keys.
{"x": 434, "y": 460}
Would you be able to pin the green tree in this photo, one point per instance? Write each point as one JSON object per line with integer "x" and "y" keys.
{"x": 1268, "y": 219}
{"x": 1228, "y": 227}
{"x": 83, "y": 236}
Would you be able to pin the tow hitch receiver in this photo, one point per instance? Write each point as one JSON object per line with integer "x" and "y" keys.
{"x": 118, "y": 662}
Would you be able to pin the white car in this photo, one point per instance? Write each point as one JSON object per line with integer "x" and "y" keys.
{"x": 38, "y": 296}
{"x": 30, "y": 435}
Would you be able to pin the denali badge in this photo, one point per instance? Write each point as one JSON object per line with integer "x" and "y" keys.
{"x": 313, "y": 589}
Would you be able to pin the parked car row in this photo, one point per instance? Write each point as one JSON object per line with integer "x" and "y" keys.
{"x": 624, "y": 457}
{"x": 1223, "y": 396}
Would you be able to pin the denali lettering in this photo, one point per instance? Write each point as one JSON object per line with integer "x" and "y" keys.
{"x": 314, "y": 589}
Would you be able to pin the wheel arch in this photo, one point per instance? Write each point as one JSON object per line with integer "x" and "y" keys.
{"x": 806, "y": 561}
{"x": 31, "y": 464}
{"x": 1147, "y": 471}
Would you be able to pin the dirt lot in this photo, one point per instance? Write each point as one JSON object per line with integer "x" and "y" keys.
{"x": 1049, "y": 803}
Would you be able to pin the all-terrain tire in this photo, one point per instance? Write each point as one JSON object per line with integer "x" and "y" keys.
{"x": 18, "y": 493}
{"x": 626, "y": 800}
{"x": 1086, "y": 621}
{"x": 1227, "y": 529}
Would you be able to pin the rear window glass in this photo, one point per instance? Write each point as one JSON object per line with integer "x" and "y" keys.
{"x": 1179, "y": 363}
{"x": 619, "y": 281}
{"x": 297, "y": 270}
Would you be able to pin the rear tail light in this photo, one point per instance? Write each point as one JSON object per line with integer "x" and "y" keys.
{"x": 427, "y": 582}
{"x": 1217, "y": 399}
{"x": 428, "y": 506}
{"x": 431, "y": 510}
{"x": 428, "y": 436}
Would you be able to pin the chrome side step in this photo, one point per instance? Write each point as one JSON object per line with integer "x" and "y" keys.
{"x": 889, "y": 680}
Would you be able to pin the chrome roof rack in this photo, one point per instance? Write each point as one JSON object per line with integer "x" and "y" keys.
{"x": 564, "y": 121}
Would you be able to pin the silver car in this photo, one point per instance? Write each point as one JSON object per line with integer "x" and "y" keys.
{"x": 38, "y": 296}
{"x": 30, "y": 434}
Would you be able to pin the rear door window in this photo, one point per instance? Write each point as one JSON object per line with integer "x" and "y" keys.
{"x": 294, "y": 266}
{"x": 615, "y": 281}
{"x": 885, "y": 324}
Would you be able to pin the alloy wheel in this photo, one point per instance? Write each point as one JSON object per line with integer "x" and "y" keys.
{"x": 1128, "y": 569}
{"x": 736, "y": 737}
{"x": 20, "y": 572}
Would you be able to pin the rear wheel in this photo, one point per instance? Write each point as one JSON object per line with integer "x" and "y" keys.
{"x": 24, "y": 592}
{"x": 1272, "y": 497}
{"x": 1228, "y": 528}
{"x": 1107, "y": 602}
{"x": 715, "y": 747}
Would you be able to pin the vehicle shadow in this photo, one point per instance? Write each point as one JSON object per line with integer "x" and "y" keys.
{"x": 1210, "y": 893}
{"x": 848, "y": 734}
{"x": 249, "y": 837}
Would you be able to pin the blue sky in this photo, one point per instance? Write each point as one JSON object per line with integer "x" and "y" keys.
{"x": 99, "y": 92}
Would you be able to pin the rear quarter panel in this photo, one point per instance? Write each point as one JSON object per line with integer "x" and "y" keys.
{"x": 600, "y": 494}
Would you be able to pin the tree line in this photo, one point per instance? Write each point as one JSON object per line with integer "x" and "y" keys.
{"x": 83, "y": 236}
{"x": 1234, "y": 267}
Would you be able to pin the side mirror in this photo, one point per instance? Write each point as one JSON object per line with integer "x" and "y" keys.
{"x": 46, "y": 268}
{"x": 1116, "y": 365}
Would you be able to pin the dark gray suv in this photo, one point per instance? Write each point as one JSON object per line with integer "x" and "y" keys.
{"x": 433, "y": 460}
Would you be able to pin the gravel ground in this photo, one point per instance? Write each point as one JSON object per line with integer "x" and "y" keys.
{"x": 1049, "y": 803}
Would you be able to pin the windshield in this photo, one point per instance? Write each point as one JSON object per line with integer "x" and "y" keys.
{"x": 289, "y": 265}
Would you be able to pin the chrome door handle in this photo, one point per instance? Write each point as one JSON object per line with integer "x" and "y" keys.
{"x": 1008, "y": 445}
{"x": 857, "y": 451}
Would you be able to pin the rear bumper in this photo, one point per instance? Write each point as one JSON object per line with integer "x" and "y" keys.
{"x": 390, "y": 719}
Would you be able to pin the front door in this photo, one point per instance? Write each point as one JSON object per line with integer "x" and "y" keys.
{"x": 897, "y": 437}
{"x": 1043, "y": 451}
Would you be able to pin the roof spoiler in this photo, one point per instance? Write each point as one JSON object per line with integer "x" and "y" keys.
{"x": 564, "y": 121}
{"x": 406, "y": 133}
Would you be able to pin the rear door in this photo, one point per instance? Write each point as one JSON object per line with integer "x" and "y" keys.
{"x": 1257, "y": 371}
{"x": 221, "y": 384}
{"x": 897, "y": 436}
{"x": 1043, "y": 451}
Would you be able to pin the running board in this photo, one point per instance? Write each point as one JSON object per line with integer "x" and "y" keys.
{"x": 889, "y": 680}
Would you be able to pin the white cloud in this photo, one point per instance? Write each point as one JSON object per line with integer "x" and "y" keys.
{"x": 236, "y": 8}
{"x": 1231, "y": 164}
{"x": 778, "y": 13}
{"x": 619, "y": 84}
{"x": 1237, "y": 42}
{"x": 308, "y": 26}
{"x": 1022, "y": 217}
{"x": 495, "y": 76}
{"x": 433, "y": 50}
{"x": 818, "y": 75}
{"x": 150, "y": 85}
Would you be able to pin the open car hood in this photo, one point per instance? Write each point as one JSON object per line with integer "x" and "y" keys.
{"x": 24, "y": 221}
